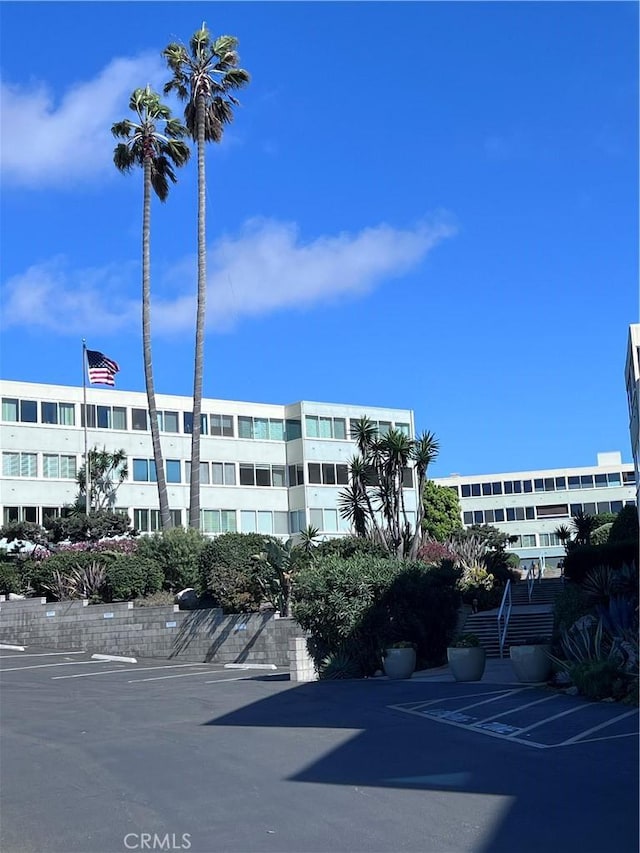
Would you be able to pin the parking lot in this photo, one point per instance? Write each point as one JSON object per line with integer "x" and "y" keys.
{"x": 97, "y": 752}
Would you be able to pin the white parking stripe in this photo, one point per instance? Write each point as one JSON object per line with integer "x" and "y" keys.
{"x": 43, "y": 655}
{"x": 493, "y": 699}
{"x": 45, "y": 665}
{"x": 164, "y": 677}
{"x": 124, "y": 669}
{"x": 243, "y": 678}
{"x": 515, "y": 711}
{"x": 552, "y": 717}
{"x": 597, "y": 728}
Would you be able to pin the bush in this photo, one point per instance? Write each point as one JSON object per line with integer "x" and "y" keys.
{"x": 356, "y": 607}
{"x": 10, "y": 578}
{"x": 625, "y": 526}
{"x": 129, "y": 577}
{"x": 228, "y": 574}
{"x": 615, "y": 554}
{"x": 350, "y": 546}
{"x": 177, "y": 552}
{"x": 569, "y": 606}
{"x": 601, "y": 534}
{"x": 596, "y": 679}
{"x": 81, "y": 528}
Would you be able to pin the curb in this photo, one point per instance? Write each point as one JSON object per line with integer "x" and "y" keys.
{"x": 9, "y": 647}
{"x": 114, "y": 658}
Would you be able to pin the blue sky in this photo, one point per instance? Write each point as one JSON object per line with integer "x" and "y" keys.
{"x": 422, "y": 205}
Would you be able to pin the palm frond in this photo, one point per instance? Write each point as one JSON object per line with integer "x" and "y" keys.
{"x": 123, "y": 158}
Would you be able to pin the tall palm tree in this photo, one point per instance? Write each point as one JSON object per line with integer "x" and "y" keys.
{"x": 154, "y": 141}
{"x": 204, "y": 76}
{"x": 424, "y": 450}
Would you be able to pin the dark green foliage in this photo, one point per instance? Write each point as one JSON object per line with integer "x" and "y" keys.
{"x": 361, "y": 605}
{"x": 569, "y": 606}
{"x": 339, "y": 664}
{"x": 228, "y": 572}
{"x": 615, "y": 554}
{"x": 351, "y": 546}
{"x": 441, "y": 512}
{"x": 130, "y": 576}
{"x": 177, "y": 552}
{"x": 88, "y": 528}
{"x": 625, "y": 526}
{"x": 601, "y": 534}
{"x": 597, "y": 679}
{"x": 27, "y": 531}
{"x": 10, "y": 578}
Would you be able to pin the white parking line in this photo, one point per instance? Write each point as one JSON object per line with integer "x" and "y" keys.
{"x": 597, "y": 728}
{"x": 493, "y": 699}
{"x": 42, "y": 655}
{"x": 553, "y": 717}
{"x": 515, "y": 711}
{"x": 45, "y": 665}
{"x": 164, "y": 677}
{"x": 124, "y": 669}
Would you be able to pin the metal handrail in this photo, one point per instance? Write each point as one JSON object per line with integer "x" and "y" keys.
{"x": 504, "y": 613}
{"x": 530, "y": 579}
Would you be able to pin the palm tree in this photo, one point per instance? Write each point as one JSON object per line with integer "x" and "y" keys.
{"x": 423, "y": 452}
{"x": 157, "y": 153}
{"x": 204, "y": 76}
{"x": 564, "y": 534}
{"x": 583, "y": 526}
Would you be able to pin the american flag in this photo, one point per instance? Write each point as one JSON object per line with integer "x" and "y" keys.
{"x": 102, "y": 370}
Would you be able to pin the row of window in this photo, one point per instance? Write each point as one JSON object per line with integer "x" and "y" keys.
{"x": 54, "y": 465}
{"x": 546, "y": 484}
{"x": 117, "y": 417}
{"x": 530, "y": 513}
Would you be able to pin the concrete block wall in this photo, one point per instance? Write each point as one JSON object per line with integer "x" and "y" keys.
{"x": 301, "y": 665}
{"x": 160, "y": 632}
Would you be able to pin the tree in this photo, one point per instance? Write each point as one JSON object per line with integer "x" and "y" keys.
{"x": 441, "y": 512}
{"x": 374, "y": 500}
{"x": 157, "y": 153}
{"x": 583, "y": 526}
{"x": 564, "y": 535}
{"x": 108, "y": 472}
{"x": 204, "y": 76}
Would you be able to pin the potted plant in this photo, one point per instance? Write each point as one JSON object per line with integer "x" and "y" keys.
{"x": 531, "y": 659}
{"x": 466, "y": 658}
{"x": 399, "y": 660}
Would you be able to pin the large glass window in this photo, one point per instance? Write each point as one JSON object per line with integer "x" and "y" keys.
{"x": 552, "y": 511}
{"x": 28, "y": 411}
{"x": 526, "y": 486}
{"x": 405, "y": 429}
{"x": 278, "y": 475}
{"x": 261, "y": 429}
{"x": 586, "y": 481}
{"x": 144, "y": 471}
{"x": 19, "y": 464}
{"x": 139, "y": 419}
{"x": 613, "y": 479}
{"x": 119, "y": 417}
{"x": 329, "y": 474}
{"x": 168, "y": 421}
{"x": 475, "y": 490}
{"x": 49, "y": 413}
{"x": 574, "y": 482}
{"x": 187, "y": 423}
{"x": 296, "y": 475}
{"x": 281, "y": 523}
{"x": 600, "y": 481}
{"x": 222, "y": 425}
{"x": 467, "y": 517}
{"x": 529, "y": 512}
{"x": 9, "y": 409}
{"x": 496, "y": 488}
{"x": 297, "y": 520}
{"x": 325, "y": 427}
{"x": 499, "y": 515}
{"x": 263, "y": 475}
{"x": 478, "y": 517}
{"x": 265, "y": 522}
{"x": 538, "y": 485}
{"x": 316, "y": 519}
{"x": 407, "y": 478}
{"x": 294, "y": 429}
{"x": 315, "y": 474}
{"x": 247, "y": 475}
{"x": 529, "y": 540}
{"x": 204, "y": 473}
{"x": 628, "y": 478}
{"x": 466, "y": 490}
{"x": 245, "y": 428}
{"x": 55, "y": 466}
{"x": 561, "y": 483}
{"x": 173, "y": 471}
{"x": 486, "y": 489}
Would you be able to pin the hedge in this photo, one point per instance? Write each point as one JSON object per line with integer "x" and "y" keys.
{"x": 227, "y": 573}
{"x": 581, "y": 558}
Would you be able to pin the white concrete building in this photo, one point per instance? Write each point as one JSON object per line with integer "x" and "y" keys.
{"x": 532, "y": 504}
{"x": 265, "y": 468}
{"x": 632, "y": 381}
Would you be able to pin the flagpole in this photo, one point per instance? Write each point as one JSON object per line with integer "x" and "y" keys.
{"x": 87, "y": 473}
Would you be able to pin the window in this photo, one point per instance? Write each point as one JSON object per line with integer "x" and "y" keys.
{"x": 30, "y": 513}
{"x": 119, "y": 417}
{"x": 552, "y": 511}
{"x": 453, "y": 489}
{"x": 222, "y": 425}
{"x": 407, "y": 479}
{"x": 187, "y": 423}
{"x": 168, "y": 421}
{"x": 508, "y": 487}
{"x": 49, "y": 413}
{"x": 489, "y": 516}
{"x": 248, "y": 523}
{"x": 475, "y": 490}
{"x": 478, "y": 517}
{"x": 628, "y": 478}
{"x": 144, "y": 471}
{"x": 517, "y": 487}
{"x": 148, "y": 520}
{"x": 173, "y": 470}
{"x": 590, "y": 508}
{"x": 549, "y": 539}
{"x": 263, "y": 429}
{"x": 561, "y": 483}
{"x": 603, "y": 506}
{"x": 600, "y": 481}
{"x": 499, "y": 515}
{"x": 278, "y": 476}
{"x": 316, "y": 519}
{"x": 383, "y": 428}
{"x": 327, "y": 474}
{"x": 50, "y": 512}
{"x": 296, "y": 475}
{"x": 538, "y": 485}
{"x": 223, "y": 473}
{"x": 263, "y": 475}
{"x": 529, "y": 513}
{"x": 9, "y": 411}
{"x": 11, "y": 513}
{"x": 264, "y": 521}
{"x": 511, "y": 513}
{"x": 529, "y": 541}
{"x": 486, "y": 489}
{"x": 325, "y": 427}
{"x": 28, "y": 411}
{"x": 139, "y": 419}
{"x": 297, "y": 520}
{"x": 204, "y": 473}
{"x": 281, "y": 523}
{"x": 218, "y": 520}
{"x": 549, "y": 484}
{"x": 586, "y": 481}
{"x": 247, "y": 475}
{"x": 19, "y": 464}
{"x": 616, "y": 506}
{"x": 516, "y": 543}
{"x": 467, "y": 517}
{"x": 574, "y": 482}
{"x": 496, "y": 488}
{"x": 574, "y": 509}
{"x": 405, "y": 429}
{"x": 293, "y": 429}
{"x": 466, "y": 490}
{"x": 526, "y": 486}
{"x": 613, "y": 479}
{"x": 55, "y": 466}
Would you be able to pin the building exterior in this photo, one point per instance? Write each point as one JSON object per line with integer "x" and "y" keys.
{"x": 632, "y": 380}
{"x": 264, "y": 468}
{"x": 530, "y": 505}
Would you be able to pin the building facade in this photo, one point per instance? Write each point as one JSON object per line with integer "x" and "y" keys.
{"x": 264, "y": 468}
{"x": 530, "y": 505}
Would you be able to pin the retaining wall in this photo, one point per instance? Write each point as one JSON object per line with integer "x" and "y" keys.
{"x": 159, "y": 632}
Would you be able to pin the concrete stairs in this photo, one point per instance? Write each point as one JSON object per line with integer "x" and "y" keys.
{"x": 533, "y": 619}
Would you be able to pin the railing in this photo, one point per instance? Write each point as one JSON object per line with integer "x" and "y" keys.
{"x": 530, "y": 578}
{"x": 504, "y": 614}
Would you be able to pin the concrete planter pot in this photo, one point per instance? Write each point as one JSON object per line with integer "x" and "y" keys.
{"x": 467, "y": 664}
{"x": 399, "y": 663}
{"x": 531, "y": 664}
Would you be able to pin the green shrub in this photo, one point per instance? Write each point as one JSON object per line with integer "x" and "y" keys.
{"x": 228, "y": 574}
{"x": 350, "y": 546}
{"x": 10, "y": 579}
{"x": 82, "y": 528}
{"x": 625, "y": 526}
{"x": 596, "y": 679}
{"x": 130, "y": 576}
{"x": 358, "y": 606}
{"x": 613, "y": 553}
{"x": 177, "y": 552}
{"x": 569, "y": 606}
{"x": 339, "y": 664}
{"x": 601, "y": 534}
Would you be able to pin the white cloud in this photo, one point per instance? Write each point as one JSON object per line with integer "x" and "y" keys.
{"x": 46, "y": 143}
{"x": 266, "y": 268}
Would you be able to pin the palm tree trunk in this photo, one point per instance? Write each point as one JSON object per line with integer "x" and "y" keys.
{"x": 194, "y": 494}
{"x": 165, "y": 515}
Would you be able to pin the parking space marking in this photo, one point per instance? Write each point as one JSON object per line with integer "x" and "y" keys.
{"x": 165, "y": 677}
{"x": 42, "y": 655}
{"x": 45, "y": 665}
{"x": 515, "y": 711}
{"x": 494, "y": 699}
{"x": 124, "y": 668}
{"x": 555, "y": 717}
{"x": 597, "y": 728}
